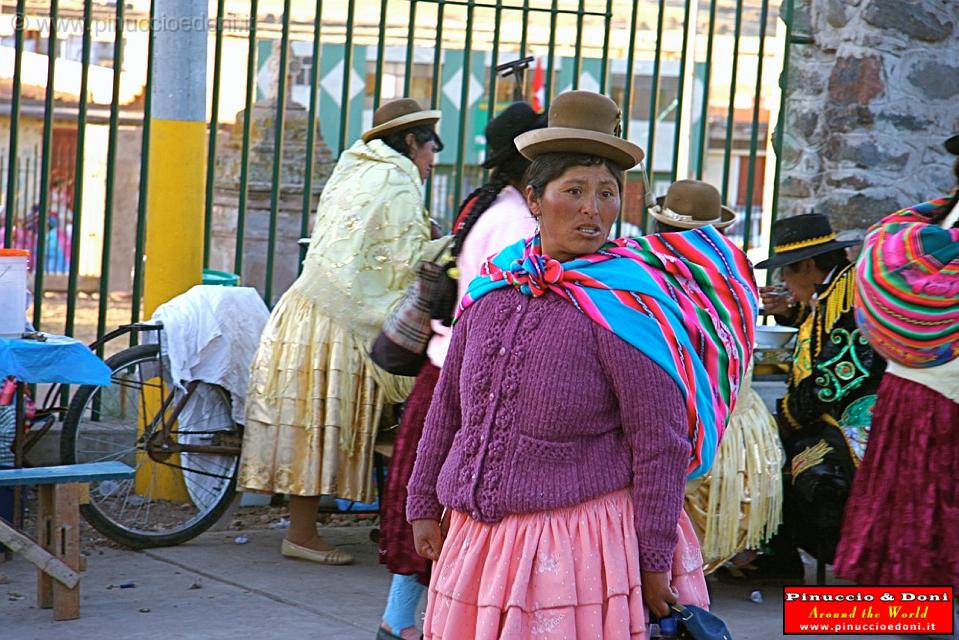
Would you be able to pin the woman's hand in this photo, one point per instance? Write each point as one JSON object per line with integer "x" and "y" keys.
{"x": 427, "y": 538}
{"x": 776, "y": 300}
{"x": 657, "y": 592}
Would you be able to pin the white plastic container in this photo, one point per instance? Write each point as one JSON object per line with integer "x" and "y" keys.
{"x": 13, "y": 291}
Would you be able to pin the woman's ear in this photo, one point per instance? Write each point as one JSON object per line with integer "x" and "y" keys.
{"x": 532, "y": 202}
{"x": 410, "y": 140}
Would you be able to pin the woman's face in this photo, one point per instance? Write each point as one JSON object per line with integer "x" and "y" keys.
{"x": 576, "y": 211}
{"x": 801, "y": 279}
{"x": 422, "y": 155}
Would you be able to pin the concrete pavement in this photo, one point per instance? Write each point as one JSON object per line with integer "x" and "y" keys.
{"x": 212, "y": 588}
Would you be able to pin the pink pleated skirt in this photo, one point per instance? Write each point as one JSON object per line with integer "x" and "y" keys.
{"x": 567, "y": 573}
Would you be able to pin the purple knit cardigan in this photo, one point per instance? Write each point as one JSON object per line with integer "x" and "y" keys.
{"x": 538, "y": 408}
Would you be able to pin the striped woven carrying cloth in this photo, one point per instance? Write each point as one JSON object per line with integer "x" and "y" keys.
{"x": 686, "y": 300}
{"x": 907, "y": 302}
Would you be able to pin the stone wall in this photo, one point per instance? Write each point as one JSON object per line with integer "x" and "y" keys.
{"x": 870, "y": 99}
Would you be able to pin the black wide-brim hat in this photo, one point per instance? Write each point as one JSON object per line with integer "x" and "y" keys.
{"x": 799, "y": 237}
{"x": 952, "y": 145}
{"x": 500, "y": 132}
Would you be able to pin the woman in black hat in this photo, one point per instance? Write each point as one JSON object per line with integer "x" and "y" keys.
{"x": 824, "y": 416}
{"x": 492, "y": 217}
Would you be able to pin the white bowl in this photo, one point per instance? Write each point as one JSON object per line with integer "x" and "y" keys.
{"x": 773, "y": 336}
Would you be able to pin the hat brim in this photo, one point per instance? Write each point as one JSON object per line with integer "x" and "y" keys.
{"x": 504, "y": 154}
{"x": 952, "y": 145}
{"x": 791, "y": 257}
{"x": 727, "y": 218}
{"x": 623, "y": 153}
{"x": 403, "y": 122}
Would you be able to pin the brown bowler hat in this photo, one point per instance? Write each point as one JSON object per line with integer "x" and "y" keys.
{"x": 582, "y": 122}
{"x": 399, "y": 114}
{"x": 690, "y": 204}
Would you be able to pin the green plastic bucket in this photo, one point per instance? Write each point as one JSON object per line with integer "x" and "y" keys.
{"x": 222, "y": 278}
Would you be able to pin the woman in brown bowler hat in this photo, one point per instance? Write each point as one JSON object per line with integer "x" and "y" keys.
{"x": 562, "y": 485}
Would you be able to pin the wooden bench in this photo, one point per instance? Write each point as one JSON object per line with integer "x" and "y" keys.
{"x": 56, "y": 553}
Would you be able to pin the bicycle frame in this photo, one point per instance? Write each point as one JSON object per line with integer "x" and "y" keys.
{"x": 160, "y": 449}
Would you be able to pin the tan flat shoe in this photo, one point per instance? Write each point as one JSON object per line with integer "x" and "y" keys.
{"x": 335, "y": 556}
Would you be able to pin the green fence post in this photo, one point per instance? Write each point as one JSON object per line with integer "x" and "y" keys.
{"x": 110, "y": 177}
{"x": 280, "y": 121}
{"x": 680, "y": 93}
{"x": 34, "y": 187}
{"x": 410, "y": 50}
{"x": 524, "y": 37}
{"x": 630, "y": 59}
{"x": 211, "y": 138}
{"x": 731, "y": 111}
{"x": 551, "y": 59}
{"x": 578, "y": 51}
{"x": 780, "y": 130}
{"x": 12, "y": 170}
{"x": 247, "y": 124}
{"x": 605, "y": 71}
{"x": 704, "y": 123}
{"x": 380, "y": 51}
{"x": 40, "y": 260}
{"x": 494, "y": 60}
{"x": 654, "y": 93}
{"x": 464, "y": 103}
{"x": 435, "y": 89}
{"x": 347, "y": 73}
{"x": 75, "y": 244}
{"x": 754, "y": 135}
{"x": 311, "y": 133}
{"x": 144, "y": 184}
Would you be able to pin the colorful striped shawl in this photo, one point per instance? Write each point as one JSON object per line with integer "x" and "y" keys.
{"x": 907, "y": 302}
{"x": 687, "y": 300}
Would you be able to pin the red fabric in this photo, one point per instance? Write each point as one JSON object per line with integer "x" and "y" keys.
{"x": 539, "y": 87}
{"x": 464, "y": 212}
{"x": 901, "y": 524}
{"x": 396, "y": 536}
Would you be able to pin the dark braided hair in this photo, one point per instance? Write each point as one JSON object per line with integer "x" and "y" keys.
{"x": 510, "y": 170}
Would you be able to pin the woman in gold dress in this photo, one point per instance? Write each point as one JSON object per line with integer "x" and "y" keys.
{"x": 315, "y": 398}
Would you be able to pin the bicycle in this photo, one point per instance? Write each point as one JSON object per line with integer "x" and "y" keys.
{"x": 183, "y": 442}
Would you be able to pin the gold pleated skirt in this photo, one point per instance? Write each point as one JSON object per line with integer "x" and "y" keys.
{"x": 314, "y": 406}
{"x": 738, "y": 504}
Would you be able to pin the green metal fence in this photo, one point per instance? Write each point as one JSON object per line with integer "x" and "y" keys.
{"x": 680, "y": 69}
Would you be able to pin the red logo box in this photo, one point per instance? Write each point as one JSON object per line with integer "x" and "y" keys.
{"x": 903, "y": 610}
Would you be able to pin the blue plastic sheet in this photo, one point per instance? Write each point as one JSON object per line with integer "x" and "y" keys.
{"x": 59, "y": 359}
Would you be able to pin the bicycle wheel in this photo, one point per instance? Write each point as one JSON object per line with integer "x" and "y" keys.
{"x": 174, "y": 497}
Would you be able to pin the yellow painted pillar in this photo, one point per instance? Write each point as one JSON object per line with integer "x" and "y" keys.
{"x": 176, "y": 181}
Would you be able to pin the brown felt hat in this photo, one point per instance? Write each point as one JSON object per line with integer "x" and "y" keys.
{"x": 582, "y": 122}
{"x": 690, "y": 204}
{"x": 399, "y": 114}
